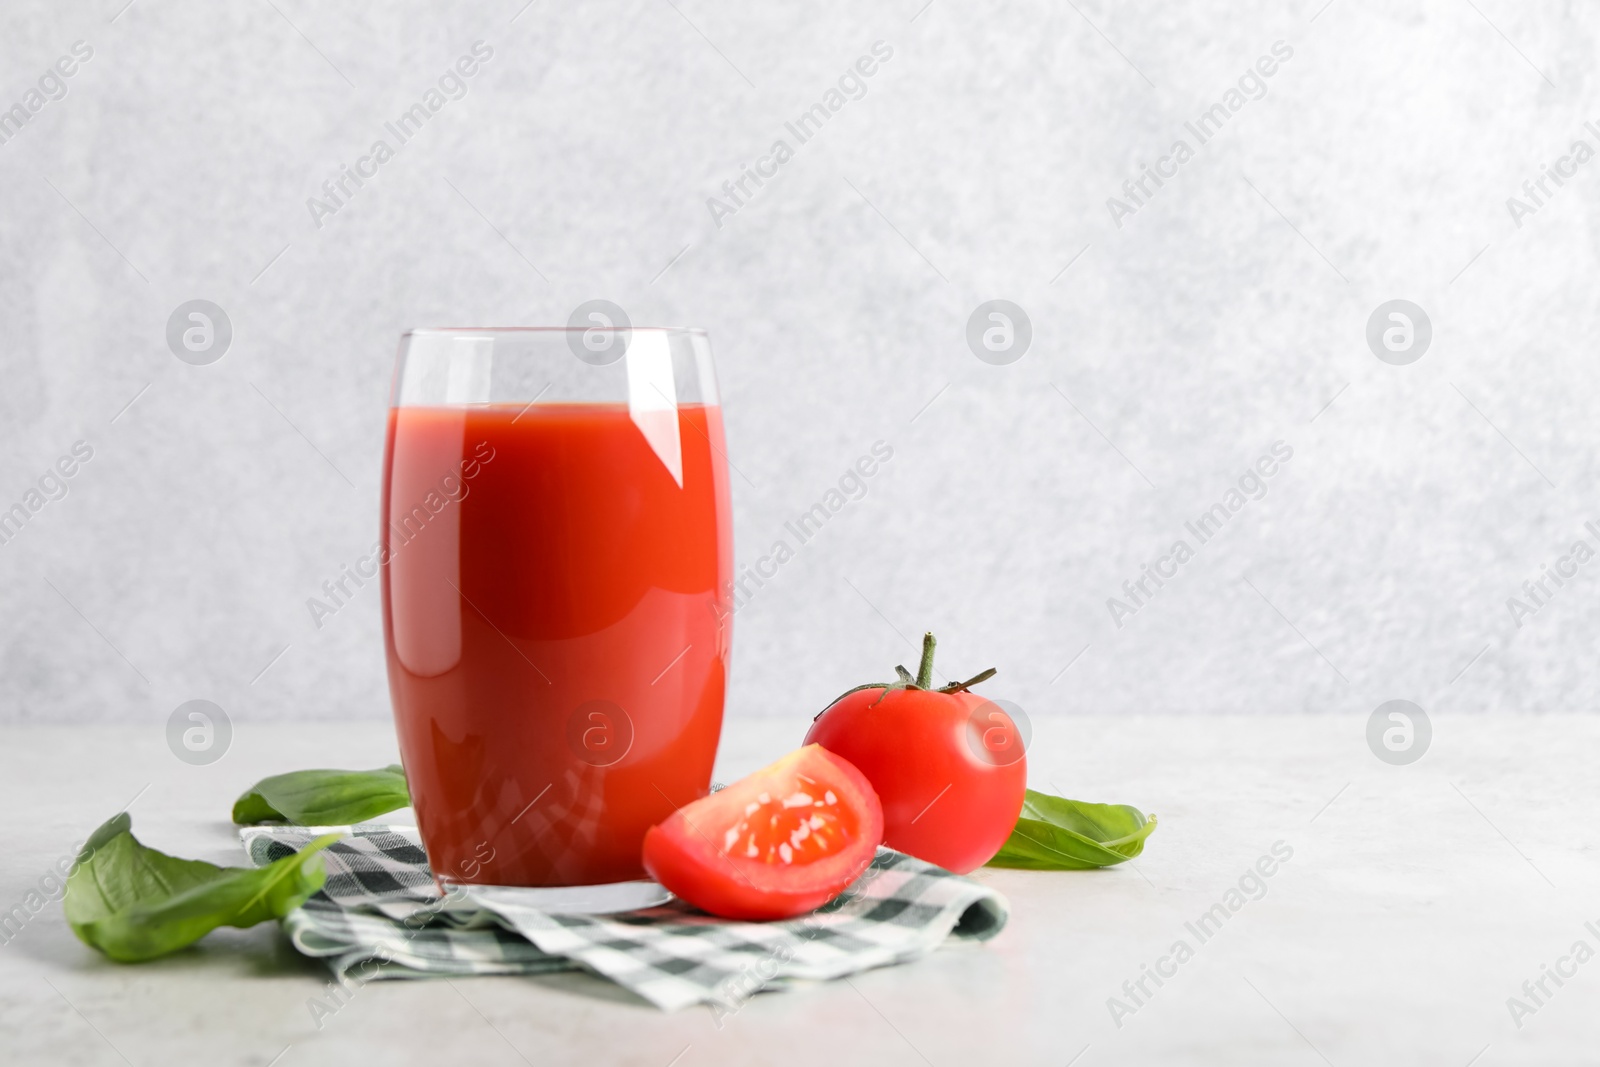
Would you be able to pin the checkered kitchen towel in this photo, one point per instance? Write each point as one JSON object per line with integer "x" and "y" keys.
{"x": 380, "y": 915}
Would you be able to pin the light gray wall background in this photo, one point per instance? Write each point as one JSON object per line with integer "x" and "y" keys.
{"x": 1167, "y": 355}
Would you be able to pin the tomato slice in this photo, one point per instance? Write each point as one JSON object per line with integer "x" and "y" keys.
{"x": 781, "y": 842}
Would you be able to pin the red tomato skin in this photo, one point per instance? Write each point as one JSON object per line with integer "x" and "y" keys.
{"x": 685, "y": 876}
{"x": 682, "y": 858}
{"x": 912, "y": 744}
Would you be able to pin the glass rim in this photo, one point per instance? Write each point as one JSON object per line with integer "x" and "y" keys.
{"x": 698, "y": 331}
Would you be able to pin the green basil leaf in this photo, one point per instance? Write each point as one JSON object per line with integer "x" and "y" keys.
{"x": 1057, "y": 834}
{"x": 323, "y": 798}
{"x": 135, "y": 903}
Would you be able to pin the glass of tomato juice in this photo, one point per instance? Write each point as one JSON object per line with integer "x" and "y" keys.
{"x": 556, "y": 556}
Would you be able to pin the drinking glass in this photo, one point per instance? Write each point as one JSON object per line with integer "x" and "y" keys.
{"x": 557, "y": 559}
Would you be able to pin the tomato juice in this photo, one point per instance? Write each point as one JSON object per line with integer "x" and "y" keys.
{"x": 556, "y": 633}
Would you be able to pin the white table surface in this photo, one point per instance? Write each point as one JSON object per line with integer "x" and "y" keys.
{"x": 1418, "y": 900}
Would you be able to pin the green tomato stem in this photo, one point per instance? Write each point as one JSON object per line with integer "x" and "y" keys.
{"x": 923, "y": 680}
{"x": 925, "y": 668}
{"x": 961, "y": 687}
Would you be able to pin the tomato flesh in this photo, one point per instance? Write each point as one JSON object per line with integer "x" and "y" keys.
{"x": 778, "y": 843}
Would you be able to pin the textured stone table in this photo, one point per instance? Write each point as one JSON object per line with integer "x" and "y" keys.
{"x": 1416, "y": 901}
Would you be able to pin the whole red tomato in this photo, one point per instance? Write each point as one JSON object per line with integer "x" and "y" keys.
{"x": 947, "y": 764}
